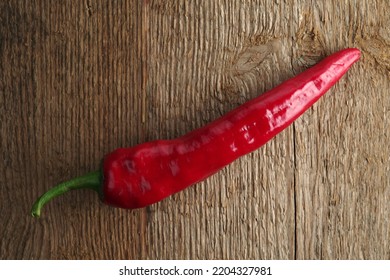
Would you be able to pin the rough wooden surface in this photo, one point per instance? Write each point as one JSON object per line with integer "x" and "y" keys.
{"x": 80, "y": 78}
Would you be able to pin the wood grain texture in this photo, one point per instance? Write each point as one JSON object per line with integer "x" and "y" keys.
{"x": 80, "y": 78}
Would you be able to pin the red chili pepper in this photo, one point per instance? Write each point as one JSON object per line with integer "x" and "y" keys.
{"x": 147, "y": 173}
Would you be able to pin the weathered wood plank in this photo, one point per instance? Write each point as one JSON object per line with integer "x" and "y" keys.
{"x": 341, "y": 151}
{"x": 80, "y": 78}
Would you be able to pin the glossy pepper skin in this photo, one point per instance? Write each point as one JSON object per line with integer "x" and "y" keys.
{"x": 147, "y": 173}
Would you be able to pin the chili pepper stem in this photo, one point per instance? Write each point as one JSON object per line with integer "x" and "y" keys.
{"x": 88, "y": 181}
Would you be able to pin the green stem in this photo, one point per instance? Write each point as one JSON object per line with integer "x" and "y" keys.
{"x": 89, "y": 181}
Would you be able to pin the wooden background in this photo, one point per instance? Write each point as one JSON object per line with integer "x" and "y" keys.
{"x": 81, "y": 78}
